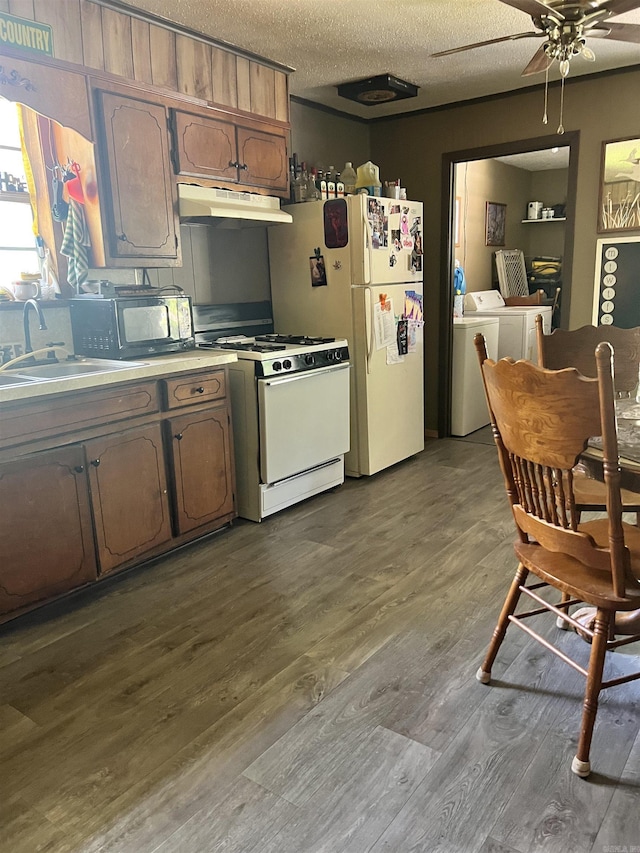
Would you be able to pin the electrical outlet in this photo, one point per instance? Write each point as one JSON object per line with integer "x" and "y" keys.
{"x": 10, "y": 350}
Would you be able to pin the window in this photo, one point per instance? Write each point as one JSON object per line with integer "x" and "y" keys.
{"x": 17, "y": 240}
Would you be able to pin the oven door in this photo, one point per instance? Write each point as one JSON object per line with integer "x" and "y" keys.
{"x": 304, "y": 421}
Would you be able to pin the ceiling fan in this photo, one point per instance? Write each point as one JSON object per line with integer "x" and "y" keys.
{"x": 565, "y": 25}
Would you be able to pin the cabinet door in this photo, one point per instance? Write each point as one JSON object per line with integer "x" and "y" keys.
{"x": 205, "y": 147}
{"x": 202, "y": 468}
{"x": 45, "y": 527}
{"x": 129, "y": 494}
{"x": 140, "y": 205}
{"x": 263, "y": 158}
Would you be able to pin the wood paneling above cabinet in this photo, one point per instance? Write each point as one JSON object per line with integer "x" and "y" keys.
{"x": 109, "y": 39}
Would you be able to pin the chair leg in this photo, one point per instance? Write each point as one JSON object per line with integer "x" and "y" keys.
{"x": 560, "y": 623}
{"x": 508, "y": 608}
{"x": 580, "y": 764}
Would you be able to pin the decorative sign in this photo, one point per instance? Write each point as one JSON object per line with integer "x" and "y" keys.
{"x": 26, "y": 35}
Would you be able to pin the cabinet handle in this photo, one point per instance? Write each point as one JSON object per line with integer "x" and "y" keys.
{"x": 178, "y": 436}
{"x": 79, "y": 469}
{"x": 199, "y": 390}
{"x": 95, "y": 462}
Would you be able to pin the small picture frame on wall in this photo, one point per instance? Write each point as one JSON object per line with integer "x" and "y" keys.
{"x": 495, "y": 221}
{"x": 619, "y": 208}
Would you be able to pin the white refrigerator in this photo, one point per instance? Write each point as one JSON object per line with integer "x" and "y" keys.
{"x": 352, "y": 268}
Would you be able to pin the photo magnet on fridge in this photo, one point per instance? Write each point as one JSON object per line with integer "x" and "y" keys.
{"x": 318, "y": 271}
{"x": 403, "y": 336}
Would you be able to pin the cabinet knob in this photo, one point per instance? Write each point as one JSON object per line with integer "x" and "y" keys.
{"x": 95, "y": 462}
{"x": 243, "y": 167}
{"x": 233, "y": 164}
{"x": 79, "y": 469}
{"x": 122, "y": 237}
{"x": 199, "y": 390}
{"x": 178, "y": 436}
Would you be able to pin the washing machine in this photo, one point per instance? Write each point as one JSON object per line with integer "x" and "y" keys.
{"x": 468, "y": 404}
{"x": 517, "y": 334}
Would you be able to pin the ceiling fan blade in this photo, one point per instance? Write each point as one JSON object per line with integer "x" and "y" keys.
{"x": 623, "y": 32}
{"x": 539, "y": 62}
{"x": 514, "y": 37}
{"x": 535, "y": 8}
{"x": 618, "y": 7}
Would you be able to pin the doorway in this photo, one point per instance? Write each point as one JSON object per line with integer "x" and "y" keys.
{"x": 451, "y": 218}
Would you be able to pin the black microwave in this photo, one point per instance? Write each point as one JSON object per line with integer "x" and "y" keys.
{"x": 131, "y": 326}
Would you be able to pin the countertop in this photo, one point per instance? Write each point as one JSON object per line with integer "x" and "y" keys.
{"x": 151, "y": 368}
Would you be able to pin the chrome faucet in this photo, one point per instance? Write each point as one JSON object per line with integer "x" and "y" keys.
{"x": 25, "y": 318}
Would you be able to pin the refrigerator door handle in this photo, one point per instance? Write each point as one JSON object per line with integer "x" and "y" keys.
{"x": 369, "y": 320}
{"x": 368, "y": 244}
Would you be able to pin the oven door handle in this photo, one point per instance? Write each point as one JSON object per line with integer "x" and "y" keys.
{"x": 306, "y": 374}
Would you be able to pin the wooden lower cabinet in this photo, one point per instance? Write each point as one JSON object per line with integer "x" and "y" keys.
{"x": 129, "y": 495}
{"x": 100, "y": 500}
{"x": 46, "y": 539}
{"x": 201, "y": 460}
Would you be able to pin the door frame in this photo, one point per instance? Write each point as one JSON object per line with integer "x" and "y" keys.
{"x": 450, "y": 159}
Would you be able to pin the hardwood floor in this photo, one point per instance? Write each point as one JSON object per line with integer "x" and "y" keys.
{"x": 307, "y": 684}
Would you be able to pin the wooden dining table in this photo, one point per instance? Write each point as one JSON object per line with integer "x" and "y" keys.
{"x": 628, "y": 423}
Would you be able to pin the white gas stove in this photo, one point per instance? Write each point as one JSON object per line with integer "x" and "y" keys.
{"x": 290, "y": 412}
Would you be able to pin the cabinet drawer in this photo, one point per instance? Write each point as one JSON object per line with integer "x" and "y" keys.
{"x": 196, "y": 388}
{"x": 64, "y": 413}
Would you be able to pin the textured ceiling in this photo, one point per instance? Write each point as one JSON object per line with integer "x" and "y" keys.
{"x": 335, "y": 41}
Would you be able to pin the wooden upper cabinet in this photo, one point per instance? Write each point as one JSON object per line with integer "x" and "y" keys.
{"x": 205, "y": 147}
{"x": 230, "y": 149}
{"x": 139, "y": 195}
{"x": 263, "y": 158}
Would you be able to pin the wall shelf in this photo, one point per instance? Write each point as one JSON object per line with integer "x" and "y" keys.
{"x": 551, "y": 219}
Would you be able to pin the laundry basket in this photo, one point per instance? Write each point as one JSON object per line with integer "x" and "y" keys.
{"x": 512, "y": 272}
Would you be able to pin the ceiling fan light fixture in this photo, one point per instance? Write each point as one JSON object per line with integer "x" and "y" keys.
{"x": 377, "y": 90}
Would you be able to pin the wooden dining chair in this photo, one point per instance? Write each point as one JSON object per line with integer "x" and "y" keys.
{"x": 541, "y": 421}
{"x": 576, "y": 348}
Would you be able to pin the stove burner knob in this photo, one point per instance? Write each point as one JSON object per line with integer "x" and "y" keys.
{"x": 309, "y": 359}
{"x": 337, "y": 355}
{"x": 331, "y": 355}
{"x": 277, "y": 365}
{"x": 287, "y": 364}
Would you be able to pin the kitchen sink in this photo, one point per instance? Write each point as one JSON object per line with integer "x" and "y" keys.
{"x": 16, "y": 380}
{"x": 79, "y": 367}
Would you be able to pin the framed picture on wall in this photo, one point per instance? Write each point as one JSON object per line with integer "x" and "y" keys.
{"x": 495, "y": 220}
{"x": 619, "y": 208}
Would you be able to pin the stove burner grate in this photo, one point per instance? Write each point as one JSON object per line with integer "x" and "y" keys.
{"x": 294, "y": 339}
{"x": 244, "y": 347}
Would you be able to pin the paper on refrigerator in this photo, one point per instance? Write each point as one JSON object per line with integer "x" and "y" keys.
{"x": 384, "y": 324}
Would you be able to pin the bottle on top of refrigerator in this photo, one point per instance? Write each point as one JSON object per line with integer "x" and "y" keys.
{"x": 331, "y": 182}
{"x": 299, "y": 187}
{"x": 368, "y": 179}
{"x": 322, "y": 184}
{"x": 313, "y": 193}
{"x": 339, "y": 186}
{"x": 349, "y": 178}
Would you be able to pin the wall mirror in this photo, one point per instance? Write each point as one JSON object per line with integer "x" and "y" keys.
{"x": 619, "y": 207}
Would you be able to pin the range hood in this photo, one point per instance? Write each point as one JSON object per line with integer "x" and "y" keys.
{"x": 228, "y": 208}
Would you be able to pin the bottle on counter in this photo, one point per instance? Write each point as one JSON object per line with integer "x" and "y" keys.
{"x": 349, "y": 178}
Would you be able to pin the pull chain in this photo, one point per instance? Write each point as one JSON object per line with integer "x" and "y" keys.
{"x": 560, "y": 126}
{"x": 545, "y": 117}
